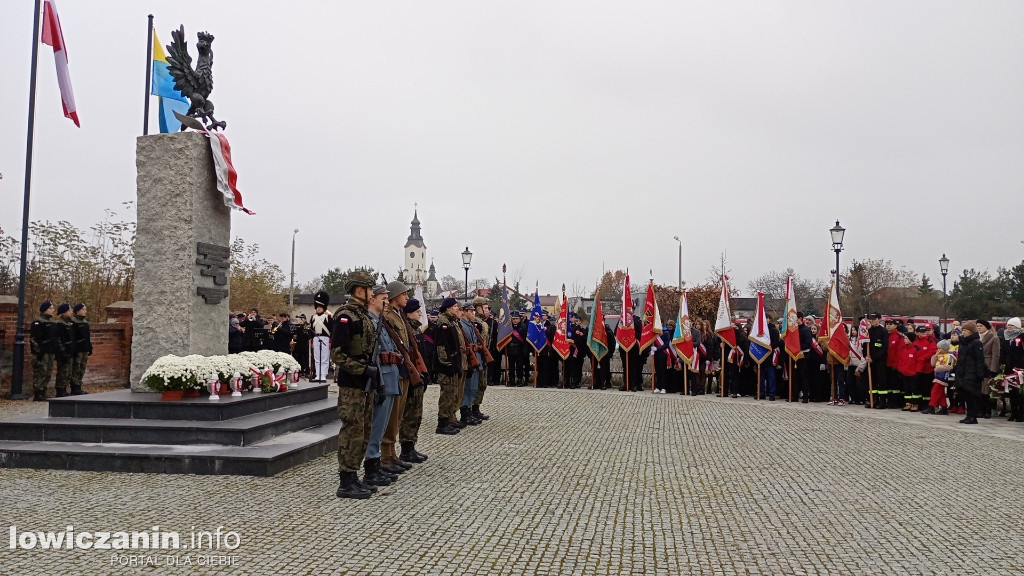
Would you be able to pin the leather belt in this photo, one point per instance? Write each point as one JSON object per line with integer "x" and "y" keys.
{"x": 390, "y": 358}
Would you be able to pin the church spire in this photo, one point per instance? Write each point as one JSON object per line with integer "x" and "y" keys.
{"x": 415, "y": 238}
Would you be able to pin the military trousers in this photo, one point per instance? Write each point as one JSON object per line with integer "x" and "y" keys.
{"x": 42, "y": 370}
{"x": 448, "y": 401}
{"x": 387, "y": 444}
{"x": 64, "y": 372}
{"x": 484, "y": 374}
{"x": 412, "y": 416}
{"x": 460, "y": 391}
{"x": 78, "y": 366}
{"x": 355, "y": 409}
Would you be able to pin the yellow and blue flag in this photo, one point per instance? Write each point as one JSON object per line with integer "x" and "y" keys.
{"x": 171, "y": 99}
{"x": 536, "y": 333}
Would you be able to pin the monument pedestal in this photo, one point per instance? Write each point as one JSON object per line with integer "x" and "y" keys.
{"x": 181, "y": 253}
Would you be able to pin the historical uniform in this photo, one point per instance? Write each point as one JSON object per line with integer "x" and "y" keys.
{"x": 45, "y": 346}
{"x": 354, "y": 339}
{"x": 321, "y": 326}
{"x": 412, "y": 370}
{"x": 474, "y": 374}
{"x": 490, "y": 372}
{"x": 447, "y": 364}
{"x": 469, "y": 365}
{"x": 412, "y": 416}
{"x": 82, "y": 342}
{"x": 389, "y": 359}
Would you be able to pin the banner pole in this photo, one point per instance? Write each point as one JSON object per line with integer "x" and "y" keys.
{"x": 790, "y": 378}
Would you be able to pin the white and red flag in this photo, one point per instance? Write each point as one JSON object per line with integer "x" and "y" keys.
{"x": 625, "y": 332}
{"x": 723, "y": 324}
{"x": 835, "y": 329}
{"x": 651, "y": 327}
{"x": 52, "y": 36}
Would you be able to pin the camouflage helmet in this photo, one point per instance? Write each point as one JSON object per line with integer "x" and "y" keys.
{"x": 358, "y": 278}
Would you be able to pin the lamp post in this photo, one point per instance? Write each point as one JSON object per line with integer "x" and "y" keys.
{"x": 291, "y": 283}
{"x": 467, "y": 257}
{"x": 676, "y": 238}
{"x": 837, "y": 233}
{"x": 944, "y": 268}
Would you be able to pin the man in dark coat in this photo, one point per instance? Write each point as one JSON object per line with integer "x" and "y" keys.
{"x": 970, "y": 370}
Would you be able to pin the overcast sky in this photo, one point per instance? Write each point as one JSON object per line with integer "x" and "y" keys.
{"x": 561, "y": 137}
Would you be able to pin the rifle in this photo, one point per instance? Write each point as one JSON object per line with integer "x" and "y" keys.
{"x": 374, "y": 384}
{"x": 414, "y": 373}
{"x": 483, "y": 347}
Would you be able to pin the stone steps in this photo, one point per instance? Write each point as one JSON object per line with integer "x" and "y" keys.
{"x": 241, "y": 431}
{"x": 123, "y": 431}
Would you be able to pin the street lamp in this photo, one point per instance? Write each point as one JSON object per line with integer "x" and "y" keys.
{"x": 291, "y": 284}
{"x": 676, "y": 238}
{"x": 467, "y": 257}
{"x": 944, "y": 268}
{"x": 837, "y": 233}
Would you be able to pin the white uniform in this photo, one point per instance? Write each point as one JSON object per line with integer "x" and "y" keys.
{"x": 319, "y": 325}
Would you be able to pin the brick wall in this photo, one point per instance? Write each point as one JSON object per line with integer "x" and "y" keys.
{"x": 111, "y": 342}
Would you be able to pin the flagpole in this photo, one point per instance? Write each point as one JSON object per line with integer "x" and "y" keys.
{"x": 686, "y": 381}
{"x": 149, "y": 77}
{"x": 871, "y": 388}
{"x": 758, "y": 381}
{"x": 625, "y": 375}
{"x": 593, "y": 373}
{"x": 18, "y": 370}
{"x": 790, "y": 378}
{"x": 721, "y": 376}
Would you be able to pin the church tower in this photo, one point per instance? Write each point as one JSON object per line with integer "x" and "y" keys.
{"x": 415, "y": 253}
{"x": 432, "y": 286}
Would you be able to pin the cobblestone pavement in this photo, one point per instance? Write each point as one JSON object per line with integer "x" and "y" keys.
{"x": 583, "y": 482}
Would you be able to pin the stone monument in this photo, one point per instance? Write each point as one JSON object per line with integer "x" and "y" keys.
{"x": 181, "y": 253}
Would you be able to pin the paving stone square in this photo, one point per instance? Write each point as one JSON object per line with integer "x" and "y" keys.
{"x": 580, "y": 482}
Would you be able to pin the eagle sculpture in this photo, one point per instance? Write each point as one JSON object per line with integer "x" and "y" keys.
{"x": 194, "y": 84}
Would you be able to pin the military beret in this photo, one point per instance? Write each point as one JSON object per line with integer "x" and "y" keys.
{"x": 396, "y": 289}
{"x": 447, "y": 303}
{"x": 45, "y": 306}
{"x": 411, "y": 306}
{"x": 64, "y": 307}
{"x": 78, "y": 307}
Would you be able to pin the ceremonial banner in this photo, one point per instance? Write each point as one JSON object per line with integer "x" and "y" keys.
{"x": 682, "y": 339}
{"x": 597, "y": 338}
{"x": 723, "y": 324}
{"x": 791, "y": 324}
{"x": 535, "y": 331}
{"x": 760, "y": 341}
{"x": 625, "y": 333}
{"x": 651, "y": 327}
{"x": 838, "y": 339}
{"x": 561, "y": 343}
{"x": 504, "y": 319}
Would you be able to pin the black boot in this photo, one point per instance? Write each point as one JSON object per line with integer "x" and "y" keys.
{"x": 479, "y": 415}
{"x": 444, "y": 428}
{"x": 374, "y": 475}
{"x": 409, "y": 454}
{"x": 77, "y": 391}
{"x": 467, "y": 417}
{"x": 61, "y": 392}
{"x": 349, "y": 487}
{"x": 393, "y": 468}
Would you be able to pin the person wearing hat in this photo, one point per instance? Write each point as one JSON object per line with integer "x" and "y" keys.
{"x": 490, "y": 373}
{"x": 412, "y": 417}
{"x": 44, "y": 343}
{"x": 517, "y": 351}
{"x": 578, "y": 351}
{"x": 447, "y": 363}
{"x": 302, "y": 351}
{"x": 477, "y": 367}
{"x": 321, "y": 325}
{"x": 1012, "y": 354}
{"x": 918, "y": 392}
{"x": 894, "y": 352}
{"x": 877, "y": 357}
{"x": 66, "y": 356}
{"x": 82, "y": 344}
{"x": 411, "y": 373}
{"x": 942, "y": 363}
{"x": 389, "y": 361}
{"x": 353, "y": 341}
{"x": 971, "y": 371}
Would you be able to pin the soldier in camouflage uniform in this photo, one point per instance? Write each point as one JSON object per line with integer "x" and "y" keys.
{"x": 409, "y": 431}
{"x": 82, "y": 342}
{"x": 66, "y": 356}
{"x": 488, "y": 327}
{"x": 447, "y": 363}
{"x": 352, "y": 343}
{"x": 45, "y": 346}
